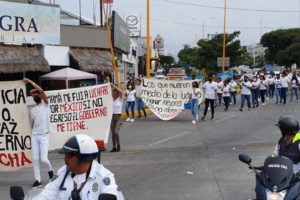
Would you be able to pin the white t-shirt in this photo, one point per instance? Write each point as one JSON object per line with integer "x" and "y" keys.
{"x": 255, "y": 84}
{"x": 294, "y": 83}
{"x": 194, "y": 92}
{"x": 40, "y": 114}
{"x": 271, "y": 81}
{"x": 277, "y": 83}
{"x": 130, "y": 95}
{"x": 210, "y": 89}
{"x": 117, "y": 106}
{"x": 226, "y": 90}
{"x": 138, "y": 89}
{"x": 219, "y": 87}
{"x": 285, "y": 82}
{"x": 263, "y": 85}
{"x": 246, "y": 86}
{"x": 233, "y": 86}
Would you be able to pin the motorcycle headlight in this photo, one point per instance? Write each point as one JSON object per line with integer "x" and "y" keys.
{"x": 275, "y": 195}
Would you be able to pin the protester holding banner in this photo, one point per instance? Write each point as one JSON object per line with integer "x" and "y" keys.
{"x": 40, "y": 115}
{"x": 116, "y": 118}
{"x": 139, "y": 100}
{"x": 194, "y": 99}
{"x": 210, "y": 89}
{"x": 130, "y": 93}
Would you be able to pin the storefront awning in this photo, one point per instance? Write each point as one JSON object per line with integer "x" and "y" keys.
{"x": 92, "y": 60}
{"x": 18, "y": 59}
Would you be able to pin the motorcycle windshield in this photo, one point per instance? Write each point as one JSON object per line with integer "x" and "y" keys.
{"x": 277, "y": 173}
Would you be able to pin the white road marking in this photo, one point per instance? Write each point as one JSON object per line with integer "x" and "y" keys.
{"x": 225, "y": 118}
{"x": 170, "y": 138}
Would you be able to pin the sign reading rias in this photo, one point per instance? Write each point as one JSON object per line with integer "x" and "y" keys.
{"x": 85, "y": 110}
{"x": 15, "y": 140}
{"x": 166, "y": 98}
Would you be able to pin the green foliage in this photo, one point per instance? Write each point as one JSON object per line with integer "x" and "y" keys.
{"x": 204, "y": 56}
{"x": 283, "y": 46}
{"x": 166, "y": 60}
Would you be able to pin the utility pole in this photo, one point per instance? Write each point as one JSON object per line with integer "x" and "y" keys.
{"x": 203, "y": 33}
{"x": 148, "y": 40}
{"x": 101, "y": 14}
{"x": 79, "y": 12}
{"x": 224, "y": 38}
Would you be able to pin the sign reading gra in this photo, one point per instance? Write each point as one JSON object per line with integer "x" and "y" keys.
{"x": 85, "y": 110}
{"x": 166, "y": 98}
{"x": 29, "y": 24}
{"x": 15, "y": 141}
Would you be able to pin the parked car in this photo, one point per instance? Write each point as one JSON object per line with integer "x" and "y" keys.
{"x": 160, "y": 74}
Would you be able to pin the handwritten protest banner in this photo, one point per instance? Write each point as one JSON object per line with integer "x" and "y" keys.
{"x": 85, "y": 110}
{"x": 166, "y": 98}
{"x": 15, "y": 140}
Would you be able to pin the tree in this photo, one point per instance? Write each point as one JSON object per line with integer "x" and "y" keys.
{"x": 166, "y": 60}
{"x": 204, "y": 56}
{"x": 281, "y": 45}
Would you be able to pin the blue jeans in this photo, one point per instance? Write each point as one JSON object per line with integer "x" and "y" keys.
{"x": 233, "y": 96}
{"x": 194, "y": 107}
{"x": 140, "y": 106}
{"x": 255, "y": 97}
{"x": 262, "y": 95}
{"x": 283, "y": 94}
{"x": 294, "y": 90}
{"x": 247, "y": 98}
{"x": 278, "y": 95}
{"x": 131, "y": 105}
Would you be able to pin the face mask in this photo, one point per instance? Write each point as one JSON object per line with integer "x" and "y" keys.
{"x": 130, "y": 87}
{"x": 210, "y": 79}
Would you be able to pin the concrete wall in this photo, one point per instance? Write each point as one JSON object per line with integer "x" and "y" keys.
{"x": 84, "y": 36}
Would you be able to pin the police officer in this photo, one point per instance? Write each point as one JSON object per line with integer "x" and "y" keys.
{"x": 289, "y": 143}
{"x": 82, "y": 178}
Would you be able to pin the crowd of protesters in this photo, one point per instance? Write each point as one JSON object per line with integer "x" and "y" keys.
{"x": 255, "y": 89}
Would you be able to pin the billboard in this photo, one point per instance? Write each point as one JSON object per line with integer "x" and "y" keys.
{"x": 29, "y": 24}
{"x": 120, "y": 33}
{"x": 134, "y": 24}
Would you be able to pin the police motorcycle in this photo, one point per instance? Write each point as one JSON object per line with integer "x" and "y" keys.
{"x": 275, "y": 180}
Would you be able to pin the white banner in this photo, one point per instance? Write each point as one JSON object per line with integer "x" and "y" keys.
{"x": 85, "y": 110}
{"x": 166, "y": 98}
{"x": 15, "y": 140}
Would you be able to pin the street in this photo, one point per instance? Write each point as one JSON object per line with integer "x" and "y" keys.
{"x": 175, "y": 160}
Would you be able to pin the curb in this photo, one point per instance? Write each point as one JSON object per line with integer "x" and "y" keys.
{"x": 136, "y": 114}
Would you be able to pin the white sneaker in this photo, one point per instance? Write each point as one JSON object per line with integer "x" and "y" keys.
{"x": 132, "y": 120}
{"x": 194, "y": 122}
{"x": 197, "y": 117}
{"x": 267, "y": 98}
{"x": 128, "y": 119}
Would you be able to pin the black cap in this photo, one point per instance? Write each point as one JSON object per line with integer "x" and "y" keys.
{"x": 70, "y": 146}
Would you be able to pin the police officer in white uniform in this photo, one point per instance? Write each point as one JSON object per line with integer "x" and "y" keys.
{"x": 82, "y": 178}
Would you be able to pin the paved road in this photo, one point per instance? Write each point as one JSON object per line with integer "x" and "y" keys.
{"x": 177, "y": 160}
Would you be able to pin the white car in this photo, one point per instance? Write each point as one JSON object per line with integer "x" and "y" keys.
{"x": 159, "y": 75}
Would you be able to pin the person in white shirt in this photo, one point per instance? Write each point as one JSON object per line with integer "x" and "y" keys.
{"x": 294, "y": 86}
{"x": 284, "y": 86}
{"x": 210, "y": 90}
{"x": 233, "y": 89}
{"x": 246, "y": 92}
{"x": 226, "y": 95}
{"x": 194, "y": 99}
{"x": 130, "y": 93}
{"x": 116, "y": 118}
{"x": 263, "y": 89}
{"x": 219, "y": 91}
{"x": 41, "y": 129}
{"x": 139, "y": 101}
{"x": 271, "y": 86}
{"x": 278, "y": 89}
{"x": 254, "y": 91}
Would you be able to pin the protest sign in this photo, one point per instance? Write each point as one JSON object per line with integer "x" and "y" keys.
{"x": 166, "y": 98}
{"x": 85, "y": 110}
{"x": 15, "y": 140}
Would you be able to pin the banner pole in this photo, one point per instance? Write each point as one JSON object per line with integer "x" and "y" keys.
{"x": 148, "y": 40}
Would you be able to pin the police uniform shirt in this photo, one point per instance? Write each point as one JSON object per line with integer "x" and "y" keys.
{"x": 100, "y": 180}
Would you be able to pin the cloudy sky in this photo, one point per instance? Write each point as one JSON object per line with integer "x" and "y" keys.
{"x": 185, "y": 21}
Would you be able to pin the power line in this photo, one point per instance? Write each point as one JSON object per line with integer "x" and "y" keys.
{"x": 229, "y": 8}
{"x": 211, "y": 26}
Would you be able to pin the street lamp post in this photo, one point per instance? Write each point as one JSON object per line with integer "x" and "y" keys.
{"x": 148, "y": 40}
{"x": 224, "y": 37}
